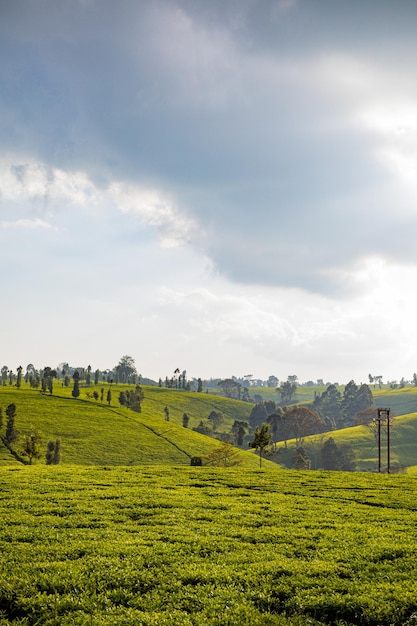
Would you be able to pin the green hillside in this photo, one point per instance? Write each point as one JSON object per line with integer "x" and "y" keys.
{"x": 92, "y": 432}
{"x": 403, "y": 448}
{"x": 400, "y": 401}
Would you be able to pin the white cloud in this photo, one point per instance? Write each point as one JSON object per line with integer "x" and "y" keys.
{"x": 27, "y": 224}
{"x": 156, "y": 209}
{"x": 189, "y": 154}
{"x": 33, "y": 185}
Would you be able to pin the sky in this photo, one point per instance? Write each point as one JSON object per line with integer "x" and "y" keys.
{"x": 224, "y": 187}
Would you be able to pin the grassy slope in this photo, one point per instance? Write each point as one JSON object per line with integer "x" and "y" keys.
{"x": 94, "y": 433}
{"x": 403, "y": 405}
{"x": 400, "y": 401}
{"x": 403, "y": 444}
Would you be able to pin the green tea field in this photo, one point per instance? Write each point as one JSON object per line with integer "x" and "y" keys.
{"x": 188, "y": 546}
{"x": 95, "y": 432}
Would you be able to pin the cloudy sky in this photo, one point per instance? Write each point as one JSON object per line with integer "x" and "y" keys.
{"x": 224, "y": 186}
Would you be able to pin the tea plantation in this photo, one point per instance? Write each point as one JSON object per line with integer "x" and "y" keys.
{"x": 190, "y": 546}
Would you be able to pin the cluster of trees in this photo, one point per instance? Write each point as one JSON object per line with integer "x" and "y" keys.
{"x": 28, "y": 446}
{"x": 293, "y": 422}
{"x": 124, "y": 372}
{"x": 326, "y": 455}
{"x": 232, "y": 388}
{"x": 179, "y": 381}
{"x": 330, "y": 410}
{"x": 287, "y": 390}
{"x": 132, "y": 399}
{"x": 236, "y": 436}
{"x": 341, "y": 411}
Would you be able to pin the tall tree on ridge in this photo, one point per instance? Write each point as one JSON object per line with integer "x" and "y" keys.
{"x": 261, "y": 440}
{"x": 76, "y": 389}
{"x": 11, "y": 432}
{"x": 19, "y": 377}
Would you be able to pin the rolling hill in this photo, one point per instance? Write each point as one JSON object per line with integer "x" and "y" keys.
{"x": 95, "y": 433}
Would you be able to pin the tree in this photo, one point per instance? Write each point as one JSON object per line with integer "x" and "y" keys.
{"x": 122, "y": 398}
{"x": 31, "y": 446}
{"x": 4, "y": 372}
{"x": 378, "y": 379}
{"x": 365, "y": 417}
{"x": 329, "y": 406}
{"x": 185, "y": 420}
{"x": 347, "y": 458}
{"x": 355, "y": 399}
{"x": 302, "y": 422}
{"x": 19, "y": 377}
{"x": 239, "y": 430}
{"x": 109, "y": 397}
{"x": 203, "y": 428}
{"x": 1, "y": 417}
{"x": 216, "y": 419}
{"x": 272, "y": 381}
{"x": 11, "y": 432}
{"x": 287, "y": 391}
{"x": 301, "y": 459}
{"x": 48, "y": 375}
{"x": 76, "y": 389}
{"x": 280, "y": 425}
{"x": 136, "y": 398}
{"x": 313, "y": 448}
{"x": 96, "y": 376}
{"x": 245, "y": 395}
{"x": 166, "y": 411}
{"x": 199, "y": 385}
{"x": 57, "y": 452}
{"x": 334, "y": 457}
{"x": 53, "y": 452}
{"x": 231, "y": 388}
{"x": 258, "y": 415}
{"x": 330, "y": 455}
{"x": 224, "y": 456}
{"x": 126, "y": 368}
{"x": 30, "y": 371}
{"x": 261, "y": 440}
{"x": 88, "y": 376}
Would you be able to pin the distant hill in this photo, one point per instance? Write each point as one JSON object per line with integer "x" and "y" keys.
{"x": 400, "y": 401}
{"x": 403, "y": 445}
{"x": 95, "y": 433}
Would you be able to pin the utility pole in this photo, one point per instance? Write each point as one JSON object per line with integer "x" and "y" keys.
{"x": 383, "y": 415}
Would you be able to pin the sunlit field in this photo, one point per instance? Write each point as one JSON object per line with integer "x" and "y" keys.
{"x": 192, "y": 546}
